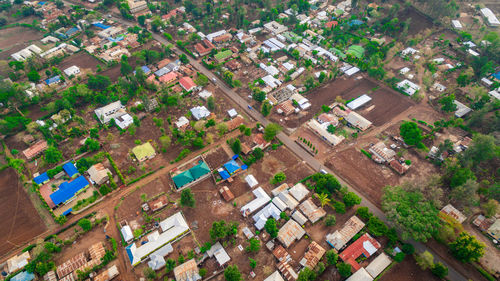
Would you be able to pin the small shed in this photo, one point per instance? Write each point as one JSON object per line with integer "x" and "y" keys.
{"x": 251, "y": 181}
{"x": 127, "y": 234}
{"x": 144, "y": 152}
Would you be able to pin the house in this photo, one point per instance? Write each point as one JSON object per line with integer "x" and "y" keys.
{"x": 282, "y": 94}
{"x": 280, "y": 204}
{"x": 50, "y": 276}
{"x": 41, "y": 179}
{"x": 322, "y": 131}
{"x": 358, "y": 121}
{"x": 110, "y": 111}
{"x": 23, "y": 276}
{"x": 235, "y": 123}
{"x": 222, "y": 38}
{"x": 182, "y": 122}
{"x": 301, "y": 101}
{"x": 169, "y": 77}
{"x": 27, "y": 52}
{"x": 211, "y": 36}
{"x": 158, "y": 203}
{"x": 365, "y": 245}
{"x": 187, "y": 83}
{"x": 251, "y": 181}
{"x": 494, "y": 230}
{"x": 187, "y": 271}
{"x": 72, "y": 70}
{"x": 490, "y": 17}
{"x": 378, "y": 265}
{"x": 299, "y": 217}
{"x": 232, "y": 113}
{"x": 282, "y": 187}
{"x": 287, "y": 271}
{"x": 172, "y": 228}
{"x": 275, "y": 28}
{"x": 226, "y": 193}
{"x": 281, "y": 254}
{"x": 144, "y": 152}
{"x": 286, "y": 108}
{"x": 199, "y": 112}
{"x": 275, "y": 276}
{"x": 136, "y": 6}
{"x": 325, "y": 118}
{"x": 53, "y": 80}
{"x": 382, "y": 153}
{"x": 299, "y": 191}
{"x": 399, "y": 167}
{"x": 359, "y": 102}
{"x": 270, "y": 210}
{"x": 451, "y": 211}
{"x": 290, "y": 232}
{"x": 222, "y": 56}
{"x": 462, "y": 109}
{"x": 408, "y": 87}
{"x": 313, "y": 255}
{"x": 331, "y": 24}
{"x": 199, "y": 171}
{"x": 68, "y": 190}
{"x": 456, "y": 24}
{"x": 219, "y": 253}
{"x": 127, "y": 234}
{"x": 339, "y": 238}
{"x": 233, "y": 65}
{"x": 107, "y": 274}
{"x": 311, "y": 211}
{"x": 18, "y": 262}
{"x": 204, "y": 48}
{"x": 259, "y": 141}
{"x": 70, "y": 169}
{"x": 360, "y": 275}
{"x": 289, "y": 201}
{"x": 205, "y": 94}
{"x": 261, "y": 198}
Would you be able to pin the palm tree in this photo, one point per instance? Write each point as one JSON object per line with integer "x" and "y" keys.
{"x": 323, "y": 199}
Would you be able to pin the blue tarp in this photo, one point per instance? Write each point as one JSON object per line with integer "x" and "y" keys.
{"x": 235, "y": 157}
{"x": 70, "y": 169}
{"x": 117, "y": 39}
{"x": 67, "y": 211}
{"x": 41, "y": 3}
{"x": 68, "y": 189}
{"x": 23, "y": 276}
{"x": 145, "y": 69}
{"x": 244, "y": 167}
{"x": 497, "y": 75}
{"x": 232, "y": 167}
{"x": 52, "y": 80}
{"x": 41, "y": 178}
{"x": 71, "y": 31}
{"x": 355, "y": 22}
{"x": 129, "y": 252}
{"x": 224, "y": 174}
{"x": 100, "y": 25}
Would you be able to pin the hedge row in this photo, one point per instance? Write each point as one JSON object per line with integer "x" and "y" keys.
{"x": 115, "y": 167}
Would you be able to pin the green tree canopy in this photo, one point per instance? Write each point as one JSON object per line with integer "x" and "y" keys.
{"x": 467, "y": 248}
{"x": 187, "y": 198}
{"x": 271, "y": 130}
{"x": 232, "y": 273}
{"x": 411, "y": 133}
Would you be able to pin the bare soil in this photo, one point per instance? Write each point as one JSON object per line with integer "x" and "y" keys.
{"x": 20, "y": 36}
{"x": 408, "y": 270}
{"x": 418, "y": 22}
{"x": 20, "y": 221}
{"x": 82, "y": 59}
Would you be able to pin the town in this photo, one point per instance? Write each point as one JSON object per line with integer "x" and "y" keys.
{"x": 249, "y": 140}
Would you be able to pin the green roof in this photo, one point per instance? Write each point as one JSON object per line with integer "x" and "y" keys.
{"x": 183, "y": 178}
{"x": 290, "y": 36}
{"x": 338, "y": 52}
{"x": 144, "y": 151}
{"x": 356, "y": 51}
{"x": 199, "y": 170}
{"x": 223, "y": 55}
{"x": 338, "y": 12}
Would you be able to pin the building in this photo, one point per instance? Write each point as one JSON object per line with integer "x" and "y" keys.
{"x": 286, "y": 108}
{"x": 456, "y": 24}
{"x": 261, "y": 198}
{"x": 27, "y": 52}
{"x": 137, "y": 6}
{"x": 23, "y": 276}
{"x": 110, "y": 111}
{"x": 358, "y": 102}
{"x": 275, "y": 276}
{"x": 282, "y": 94}
{"x": 144, "y": 152}
{"x": 364, "y": 246}
{"x": 462, "y": 109}
{"x": 381, "y": 153}
{"x": 490, "y": 17}
{"x": 197, "y": 172}
{"x": 222, "y": 56}
{"x": 17, "y": 262}
{"x": 187, "y": 83}
{"x": 378, "y": 265}
{"x": 322, "y": 131}
{"x": 35, "y": 150}
{"x": 173, "y": 228}
{"x": 259, "y": 141}
{"x": 339, "y": 238}
{"x": 67, "y": 191}
{"x": 275, "y": 28}
{"x": 70, "y": 169}
{"x": 218, "y": 252}
{"x": 313, "y": 255}
{"x": 41, "y": 179}
{"x": 408, "y": 87}
{"x": 451, "y": 211}
{"x": 251, "y": 181}
{"x": 494, "y": 230}
{"x": 226, "y": 193}
{"x": 270, "y": 210}
{"x": 399, "y": 167}
{"x": 282, "y": 187}
{"x": 289, "y": 201}
{"x": 360, "y": 275}
{"x": 107, "y": 274}
{"x": 311, "y": 211}
{"x": 187, "y": 271}
{"x": 127, "y": 234}
{"x": 358, "y": 121}
{"x": 72, "y": 70}
{"x": 287, "y": 271}
{"x": 290, "y": 232}
{"x": 199, "y": 112}
{"x": 169, "y": 77}
{"x": 205, "y": 94}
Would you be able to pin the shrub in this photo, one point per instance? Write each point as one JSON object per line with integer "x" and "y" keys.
{"x": 399, "y": 257}
{"x": 364, "y": 213}
{"x": 330, "y": 220}
{"x": 85, "y": 224}
{"x": 339, "y": 207}
{"x": 408, "y": 249}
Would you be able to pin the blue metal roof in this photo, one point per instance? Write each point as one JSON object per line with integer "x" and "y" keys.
{"x": 67, "y": 211}
{"x": 162, "y": 71}
{"x": 100, "y": 25}
{"x": 244, "y": 167}
{"x": 497, "y": 75}
{"x": 355, "y": 22}
{"x": 232, "y": 167}
{"x": 41, "y": 178}
{"x": 129, "y": 253}
{"x": 224, "y": 174}
{"x": 68, "y": 189}
{"x": 54, "y": 79}
{"x": 145, "y": 69}
{"x": 71, "y": 31}
{"x": 23, "y": 276}
{"x": 235, "y": 157}
{"x": 70, "y": 169}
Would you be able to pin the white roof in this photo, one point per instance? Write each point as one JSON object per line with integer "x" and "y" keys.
{"x": 275, "y": 276}
{"x": 127, "y": 233}
{"x": 18, "y": 262}
{"x": 181, "y": 122}
{"x": 156, "y": 262}
{"x": 123, "y": 121}
{"x": 270, "y": 210}
{"x": 219, "y": 253}
{"x": 72, "y": 70}
{"x": 378, "y": 265}
{"x": 200, "y": 112}
{"x": 409, "y": 50}
{"x": 462, "y": 109}
{"x": 490, "y": 17}
{"x": 321, "y": 130}
{"x": 261, "y": 199}
{"x": 369, "y": 247}
{"x": 351, "y": 71}
{"x": 232, "y": 112}
{"x": 271, "y": 81}
{"x": 299, "y": 191}
{"x": 404, "y": 70}
{"x": 472, "y": 52}
{"x": 288, "y": 200}
{"x": 251, "y": 181}
{"x": 299, "y": 217}
{"x": 456, "y": 24}
{"x": 211, "y": 36}
{"x": 288, "y": 66}
{"x": 360, "y": 275}
{"x": 358, "y": 102}
{"x": 470, "y": 44}
{"x": 205, "y": 94}
{"x": 494, "y": 94}
{"x": 279, "y": 203}
{"x": 408, "y": 87}
{"x": 172, "y": 227}
{"x": 110, "y": 111}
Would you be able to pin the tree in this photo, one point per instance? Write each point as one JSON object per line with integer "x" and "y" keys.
{"x": 184, "y": 59}
{"x": 339, "y": 207}
{"x": 125, "y": 68}
{"x": 307, "y": 274}
{"x": 344, "y": 269}
{"x": 490, "y": 208}
{"x": 323, "y": 199}
{"x": 447, "y": 103}
{"x": 271, "y": 227}
{"x": 98, "y": 82}
{"x": 141, "y": 20}
{"x": 411, "y": 133}
{"x": 33, "y": 76}
{"x": 465, "y": 196}
{"x": 220, "y": 229}
{"x": 258, "y": 153}
{"x": 222, "y": 128}
{"x": 52, "y": 248}
{"x": 232, "y": 273}
{"x": 187, "y": 198}
{"x": 254, "y": 245}
{"x": 278, "y": 178}
{"x": 440, "y": 270}
{"x": 350, "y": 199}
{"x": 399, "y": 257}
{"x": 266, "y": 108}
{"x": 331, "y": 257}
{"x": 322, "y": 77}
{"x": 170, "y": 265}
{"x": 271, "y": 130}
{"x": 330, "y": 220}
{"x": 253, "y": 263}
{"x": 467, "y": 248}
{"x": 85, "y": 224}
{"x": 425, "y": 260}
{"x": 376, "y": 226}
{"x": 309, "y": 83}
{"x": 236, "y": 146}
{"x": 259, "y": 95}
{"x": 52, "y": 155}
{"x": 201, "y": 80}
{"x": 149, "y": 273}
{"x": 410, "y": 212}
{"x": 364, "y": 213}
{"x": 483, "y": 148}
{"x": 211, "y": 103}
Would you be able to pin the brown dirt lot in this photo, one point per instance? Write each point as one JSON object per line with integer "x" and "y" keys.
{"x": 21, "y": 36}
{"x": 408, "y": 270}
{"x": 20, "y": 221}
{"x": 82, "y": 60}
{"x": 418, "y": 22}
{"x": 82, "y": 244}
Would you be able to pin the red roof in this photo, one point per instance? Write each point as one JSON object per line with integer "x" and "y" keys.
{"x": 170, "y": 14}
{"x": 151, "y": 79}
{"x": 169, "y": 77}
{"x": 259, "y": 140}
{"x": 35, "y": 149}
{"x": 163, "y": 63}
{"x": 187, "y": 83}
{"x": 331, "y": 23}
{"x": 365, "y": 245}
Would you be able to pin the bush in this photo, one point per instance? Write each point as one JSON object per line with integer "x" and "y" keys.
{"x": 85, "y": 224}
{"x": 350, "y": 199}
{"x": 364, "y": 213}
{"x": 331, "y": 257}
{"x": 408, "y": 249}
{"x": 440, "y": 270}
{"x": 399, "y": 257}
{"x": 254, "y": 245}
{"x": 344, "y": 269}
{"x": 376, "y": 226}
{"x": 278, "y": 178}
{"x": 339, "y": 207}
{"x": 330, "y": 220}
